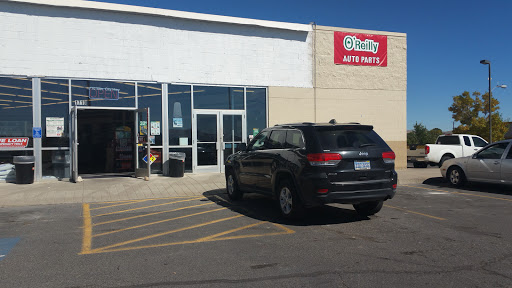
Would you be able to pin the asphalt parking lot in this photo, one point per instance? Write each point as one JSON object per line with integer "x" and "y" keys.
{"x": 428, "y": 235}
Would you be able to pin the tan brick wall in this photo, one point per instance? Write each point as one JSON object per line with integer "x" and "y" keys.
{"x": 364, "y": 94}
{"x": 290, "y": 105}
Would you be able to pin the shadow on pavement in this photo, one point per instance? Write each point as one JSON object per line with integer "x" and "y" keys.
{"x": 263, "y": 208}
{"x": 441, "y": 182}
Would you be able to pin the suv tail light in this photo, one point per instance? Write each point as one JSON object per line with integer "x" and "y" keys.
{"x": 427, "y": 149}
{"x": 388, "y": 157}
{"x": 324, "y": 159}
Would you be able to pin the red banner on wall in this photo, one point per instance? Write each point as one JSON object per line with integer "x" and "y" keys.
{"x": 360, "y": 49}
{"x": 13, "y": 142}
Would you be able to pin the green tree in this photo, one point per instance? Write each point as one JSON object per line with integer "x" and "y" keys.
{"x": 433, "y": 134}
{"x": 465, "y": 108}
{"x": 420, "y": 135}
{"x": 472, "y": 112}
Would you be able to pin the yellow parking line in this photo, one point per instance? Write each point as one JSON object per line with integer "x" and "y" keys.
{"x": 414, "y": 212}
{"x": 483, "y": 196}
{"x": 115, "y": 205}
{"x": 157, "y": 222}
{"x": 150, "y": 214}
{"x": 203, "y": 240}
{"x": 87, "y": 238}
{"x": 173, "y": 197}
{"x": 158, "y": 235}
{"x": 110, "y": 202}
{"x": 229, "y": 231}
{"x": 156, "y": 205}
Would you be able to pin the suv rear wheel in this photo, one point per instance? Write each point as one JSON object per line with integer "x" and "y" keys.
{"x": 289, "y": 202}
{"x": 234, "y": 192}
{"x": 368, "y": 208}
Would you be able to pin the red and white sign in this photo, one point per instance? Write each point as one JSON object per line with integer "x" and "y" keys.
{"x": 14, "y": 142}
{"x": 360, "y": 49}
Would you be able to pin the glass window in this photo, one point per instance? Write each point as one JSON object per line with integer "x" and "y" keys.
{"x": 55, "y": 112}
{"x": 150, "y": 95}
{"x": 509, "y": 155}
{"x": 294, "y": 139}
{"x": 493, "y": 152}
{"x": 56, "y": 164}
{"x": 448, "y": 140}
{"x": 103, "y": 93}
{"x": 466, "y": 141}
{"x": 259, "y": 142}
{"x": 232, "y": 128}
{"x": 180, "y": 115}
{"x": 479, "y": 142}
{"x": 256, "y": 99}
{"x": 7, "y": 172}
{"x": 209, "y": 97}
{"x": 335, "y": 138}
{"x": 16, "y": 108}
{"x": 277, "y": 139}
{"x": 188, "y": 157}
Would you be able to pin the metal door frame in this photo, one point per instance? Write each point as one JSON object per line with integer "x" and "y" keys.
{"x": 220, "y": 143}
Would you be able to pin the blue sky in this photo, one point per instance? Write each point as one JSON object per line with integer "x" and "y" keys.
{"x": 445, "y": 41}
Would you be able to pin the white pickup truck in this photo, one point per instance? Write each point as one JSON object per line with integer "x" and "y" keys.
{"x": 452, "y": 146}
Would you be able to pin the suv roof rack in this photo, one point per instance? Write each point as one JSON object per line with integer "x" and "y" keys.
{"x": 332, "y": 122}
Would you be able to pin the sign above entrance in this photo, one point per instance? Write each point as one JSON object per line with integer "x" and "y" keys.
{"x": 103, "y": 93}
{"x": 13, "y": 142}
{"x": 360, "y": 49}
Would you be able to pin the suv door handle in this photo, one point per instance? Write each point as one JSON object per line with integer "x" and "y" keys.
{"x": 496, "y": 162}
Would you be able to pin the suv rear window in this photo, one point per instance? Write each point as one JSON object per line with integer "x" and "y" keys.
{"x": 334, "y": 138}
{"x": 448, "y": 140}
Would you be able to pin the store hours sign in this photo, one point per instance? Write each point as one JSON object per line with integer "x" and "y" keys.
{"x": 360, "y": 49}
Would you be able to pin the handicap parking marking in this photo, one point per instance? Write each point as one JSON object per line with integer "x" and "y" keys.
{"x": 244, "y": 230}
{"x": 6, "y": 244}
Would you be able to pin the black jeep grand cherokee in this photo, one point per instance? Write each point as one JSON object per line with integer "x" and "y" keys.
{"x": 309, "y": 164}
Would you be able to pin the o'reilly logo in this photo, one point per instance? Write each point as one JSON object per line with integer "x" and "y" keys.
{"x": 352, "y": 43}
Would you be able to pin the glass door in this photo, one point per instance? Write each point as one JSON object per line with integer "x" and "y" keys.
{"x": 232, "y": 134}
{"x": 143, "y": 143}
{"x": 74, "y": 145}
{"x": 216, "y": 136}
{"x": 207, "y": 141}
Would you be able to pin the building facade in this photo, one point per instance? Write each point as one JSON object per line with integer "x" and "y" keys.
{"x": 83, "y": 84}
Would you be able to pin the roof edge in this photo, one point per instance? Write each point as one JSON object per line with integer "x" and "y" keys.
{"x": 82, "y": 4}
{"x": 363, "y": 31}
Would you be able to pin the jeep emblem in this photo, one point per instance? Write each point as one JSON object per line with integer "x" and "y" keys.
{"x": 363, "y": 153}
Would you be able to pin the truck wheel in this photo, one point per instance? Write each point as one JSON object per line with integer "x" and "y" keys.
{"x": 456, "y": 176}
{"x": 368, "y": 208}
{"x": 444, "y": 158}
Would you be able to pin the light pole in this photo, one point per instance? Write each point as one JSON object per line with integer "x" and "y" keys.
{"x": 487, "y": 62}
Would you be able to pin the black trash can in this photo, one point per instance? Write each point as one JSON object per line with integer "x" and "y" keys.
{"x": 24, "y": 167}
{"x": 176, "y": 164}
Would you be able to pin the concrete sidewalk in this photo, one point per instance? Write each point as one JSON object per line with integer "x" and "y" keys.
{"x": 127, "y": 188}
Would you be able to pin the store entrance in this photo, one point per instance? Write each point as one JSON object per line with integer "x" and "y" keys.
{"x": 105, "y": 140}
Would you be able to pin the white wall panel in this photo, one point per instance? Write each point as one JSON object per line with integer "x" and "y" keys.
{"x": 72, "y": 42}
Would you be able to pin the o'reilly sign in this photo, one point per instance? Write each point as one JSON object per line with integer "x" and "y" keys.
{"x": 360, "y": 49}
